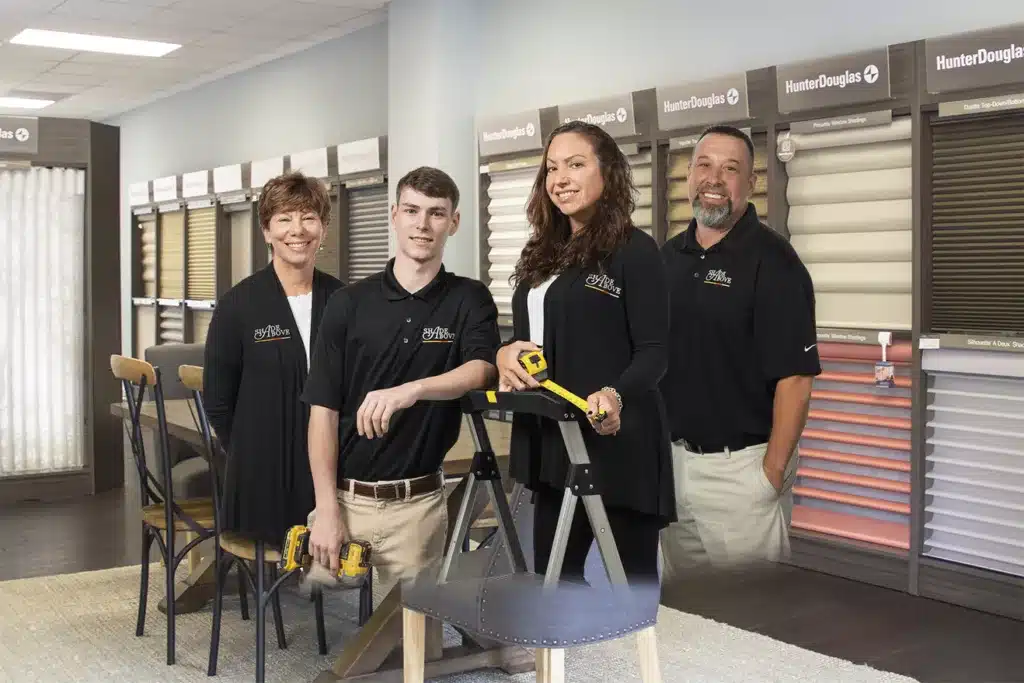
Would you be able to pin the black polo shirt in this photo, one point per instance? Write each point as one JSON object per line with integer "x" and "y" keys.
{"x": 376, "y": 335}
{"x": 742, "y": 317}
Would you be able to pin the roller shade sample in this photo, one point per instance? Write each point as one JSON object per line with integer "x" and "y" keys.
{"x": 147, "y": 225}
{"x": 853, "y": 480}
{"x": 850, "y": 214}
{"x": 200, "y": 323}
{"x": 145, "y": 329}
{"x": 507, "y": 230}
{"x": 977, "y": 225}
{"x": 241, "y": 245}
{"x": 202, "y": 256}
{"x": 643, "y": 215}
{"x": 172, "y": 325}
{"x": 679, "y": 210}
{"x": 368, "y": 226}
{"x": 172, "y": 255}
{"x": 974, "y": 462}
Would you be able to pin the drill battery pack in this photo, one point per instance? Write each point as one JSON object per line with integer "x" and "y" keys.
{"x": 354, "y": 556}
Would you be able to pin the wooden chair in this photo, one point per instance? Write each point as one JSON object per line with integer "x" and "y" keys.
{"x": 233, "y": 548}
{"x": 162, "y": 516}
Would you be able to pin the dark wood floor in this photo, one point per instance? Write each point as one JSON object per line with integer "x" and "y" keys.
{"x": 931, "y": 641}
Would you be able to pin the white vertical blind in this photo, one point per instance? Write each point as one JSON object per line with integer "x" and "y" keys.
{"x": 507, "y": 229}
{"x": 368, "y": 231}
{"x": 42, "y": 320}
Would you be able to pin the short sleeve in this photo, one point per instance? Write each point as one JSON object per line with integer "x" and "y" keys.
{"x": 325, "y": 385}
{"x": 480, "y": 338}
{"x": 784, "y": 323}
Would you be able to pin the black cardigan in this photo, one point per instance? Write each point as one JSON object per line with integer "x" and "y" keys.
{"x": 253, "y": 374}
{"x": 605, "y": 326}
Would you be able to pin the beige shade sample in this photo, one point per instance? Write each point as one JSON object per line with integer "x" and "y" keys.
{"x": 172, "y": 325}
{"x": 145, "y": 329}
{"x": 369, "y": 228}
{"x": 241, "y": 226}
{"x": 200, "y": 324}
{"x": 147, "y": 227}
{"x": 202, "y": 256}
{"x": 643, "y": 215}
{"x": 172, "y": 255}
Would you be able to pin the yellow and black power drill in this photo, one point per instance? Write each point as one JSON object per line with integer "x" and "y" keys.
{"x": 354, "y": 555}
{"x": 537, "y": 366}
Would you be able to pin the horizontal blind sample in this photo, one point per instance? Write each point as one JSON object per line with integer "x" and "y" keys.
{"x": 974, "y": 459}
{"x": 853, "y": 478}
{"x": 368, "y": 229}
{"x": 172, "y": 325}
{"x": 200, "y": 324}
{"x": 679, "y": 210}
{"x": 147, "y": 226}
{"x": 643, "y": 214}
{"x": 328, "y": 254}
{"x": 850, "y": 220}
{"x": 977, "y": 225}
{"x": 145, "y": 329}
{"x": 202, "y": 254}
{"x": 241, "y": 245}
{"x": 172, "y": 255}
{"x": 507, "y": 229}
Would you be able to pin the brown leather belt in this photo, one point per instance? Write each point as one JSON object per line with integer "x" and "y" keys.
{"x": 395, "y": 490}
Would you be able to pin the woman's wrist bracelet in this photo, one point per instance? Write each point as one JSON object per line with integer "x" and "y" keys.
{"x": 616, "y": 394}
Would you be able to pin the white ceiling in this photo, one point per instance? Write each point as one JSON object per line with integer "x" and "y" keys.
{"x": 218, "y": 37}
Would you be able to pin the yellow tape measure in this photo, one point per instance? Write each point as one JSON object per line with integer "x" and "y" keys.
{"x": 535, "y": 364}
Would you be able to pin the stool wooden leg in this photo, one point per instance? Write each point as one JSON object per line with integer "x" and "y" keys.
{"x": 414, "y": 655}
{"x": 550, "y": 665}
{"x": 647, "y": 649}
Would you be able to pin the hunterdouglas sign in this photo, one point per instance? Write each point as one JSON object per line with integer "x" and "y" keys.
{"x": 975, "y": 60}
{"x": 837, "y": 81}
{"x": 19, "y": 135}
{"x": 706, "y": 102}
{"x": 614, "y": 114}
{"x": 513, "y": 133}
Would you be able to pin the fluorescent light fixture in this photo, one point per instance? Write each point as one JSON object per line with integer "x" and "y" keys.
{"x": 23, "y": 103}
{"x": 88, "y": 43}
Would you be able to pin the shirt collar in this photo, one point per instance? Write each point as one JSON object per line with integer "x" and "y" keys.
{"x": 394, "y": 291}
{"x": 732, "y": 240}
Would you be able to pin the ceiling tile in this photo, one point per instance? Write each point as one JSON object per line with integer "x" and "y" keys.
{"x": 102, "y": 10}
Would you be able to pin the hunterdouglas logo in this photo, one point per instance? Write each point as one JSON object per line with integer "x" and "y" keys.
{"x": 718, "y": 277}
{"x": 437, "y": 335}
{"x": 510, "y": 133}
{"x": 271, "y": 333}
{"x": 1005, "y": 55}
{"x": 710, "y": 102}
{"x": 869, "y": 75}
{"x": 603, "y": 284}
{"x": 21, "y": 134}
{"x": 603, "y": 118}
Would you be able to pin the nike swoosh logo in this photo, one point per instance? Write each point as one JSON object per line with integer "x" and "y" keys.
{"x": 808, "y": 348}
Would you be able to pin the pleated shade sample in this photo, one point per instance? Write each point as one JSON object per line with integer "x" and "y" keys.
{"x": 508, "y": 229}
{"x": 977, "y": 226}
{"x": 850, "y": 214}
{"x": 643, "y": 214}
{"x": 368, "y": 231}
{"x": 202, "y": 257}
{"x": 172, "y": 255}
{"x": 241, "y": 245}
{"x": 147, "y": 226}
{"x": 974, "y": 472}
{"x": 679, "y": 210}
{"x": 853, "y": 480}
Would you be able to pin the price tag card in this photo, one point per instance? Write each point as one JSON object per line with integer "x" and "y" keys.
{"x": 885, "y": 375}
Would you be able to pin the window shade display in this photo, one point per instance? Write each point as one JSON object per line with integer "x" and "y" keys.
{"x": 977, "y": 225}
{"x": 145, "y": 329}
{"x": 200, "y": 323}
{"x": 853, "y": 481}
{"x": 172, "y": 255}
{"x": 328, "y": 259}
{"x": 643, "y": 214}
{"x": 202, "y": 256}
{"x": 240, "y": 217}
{"x": 974, "y": 460}
{"x": 368, "y": 228}
{"x": 172, "y": 325}
{"x": 850, "y": 213}
{"x": 679, "y": 210}
{"x": 147, "y": 224}
{"x": 507, "y": 228}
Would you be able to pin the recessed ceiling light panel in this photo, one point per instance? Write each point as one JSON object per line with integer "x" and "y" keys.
{"x": 23, "y": 103}
{"x": 81, "y": 42}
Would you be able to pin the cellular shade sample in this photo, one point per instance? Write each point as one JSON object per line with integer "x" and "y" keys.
{"x": 368, "y": 224}
{"x": 202, "y": 256}
{"x": 679, "y": 210}
{"x": 172, "y": 255}
{"x": 853, "y": 480}
{"x": 507, "y": 228}
{"x": 850, "y": 215}
{"x": 977, "y": 225}
{"x": 643, "y": 215}
{"x": 974, "y": 459}
{"x": 147, "y": 227}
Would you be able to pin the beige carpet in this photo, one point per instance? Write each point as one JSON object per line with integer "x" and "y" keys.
{"x": 81, "y": 627}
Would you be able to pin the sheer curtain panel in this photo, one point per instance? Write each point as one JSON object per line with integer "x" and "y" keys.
{"x": 42, "y": 320}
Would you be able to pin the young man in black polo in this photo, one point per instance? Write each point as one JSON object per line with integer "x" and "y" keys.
{"x": 394, "y": 353}
{"x": 744, "y": 355}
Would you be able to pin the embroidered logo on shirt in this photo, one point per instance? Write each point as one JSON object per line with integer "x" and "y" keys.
{"x": 604, "y": 284}
{"x": 718, "y": 277}
{"x": 437, "y": 335}
{"x": 271, "y": 333}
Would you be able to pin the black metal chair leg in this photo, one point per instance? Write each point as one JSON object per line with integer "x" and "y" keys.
{"x": 318, "y": 608}
{"x": 243, "y": 589}
{"x": 221, "y": 567}
{"x": 261, "y": 613}
{"x": 170, "y": 566}
{"x": 147, "y": 547}
{"x": 275, "y": 601}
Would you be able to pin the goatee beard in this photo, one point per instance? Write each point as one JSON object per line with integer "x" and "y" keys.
{"x": 713, "y": 217}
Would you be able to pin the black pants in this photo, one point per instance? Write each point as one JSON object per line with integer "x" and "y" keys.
{"x": 636, "y": 537}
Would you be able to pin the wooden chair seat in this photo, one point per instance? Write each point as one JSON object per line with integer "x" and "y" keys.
{"x": 245, "y": 548}
{"x": 199, "y": 509}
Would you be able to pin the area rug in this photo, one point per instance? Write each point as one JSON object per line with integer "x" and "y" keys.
{"x": 81, "y": 627}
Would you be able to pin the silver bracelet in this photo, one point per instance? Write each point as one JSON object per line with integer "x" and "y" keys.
{"x": 618, "y": 397}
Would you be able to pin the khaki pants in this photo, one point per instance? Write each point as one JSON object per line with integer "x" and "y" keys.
{"x": 406, "y": 535}
{"x": 729, "y": 513}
